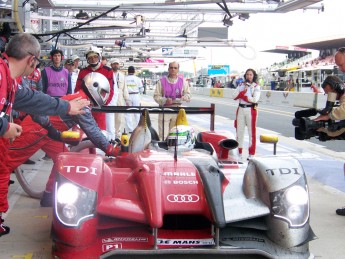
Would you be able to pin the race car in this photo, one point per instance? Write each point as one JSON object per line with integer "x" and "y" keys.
{"x": 166, "y": 198}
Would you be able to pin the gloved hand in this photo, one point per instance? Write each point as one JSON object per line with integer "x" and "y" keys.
{"x": 112, "y": 151}
{"x": 52, "y": 132}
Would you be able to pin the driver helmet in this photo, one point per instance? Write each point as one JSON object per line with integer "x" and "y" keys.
{"x": 97, "y": 88}
{"x": 92, "y": 51}
{"x": 181, "y": 136}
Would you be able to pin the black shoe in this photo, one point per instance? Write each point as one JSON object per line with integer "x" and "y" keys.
{"x": 3, "y": 229}
{"x": 47, "y": 199}
{"x": 46, "y": 158}
{"x": 29, "y": 162}
{"x": 341, "y": 211}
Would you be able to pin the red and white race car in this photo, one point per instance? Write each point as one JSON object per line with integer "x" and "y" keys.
{"x": 200, "y": 201}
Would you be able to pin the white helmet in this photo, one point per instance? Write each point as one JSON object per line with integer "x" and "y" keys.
{"x": 97, "y": 87}
{"x": 181, "y": 136}
{"x": 94, "y": 50}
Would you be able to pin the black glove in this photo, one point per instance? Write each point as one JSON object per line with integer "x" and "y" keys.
{"x": 53, "y": 133}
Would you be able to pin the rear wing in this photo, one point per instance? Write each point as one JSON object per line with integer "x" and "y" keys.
{"x": 160, "y": 110}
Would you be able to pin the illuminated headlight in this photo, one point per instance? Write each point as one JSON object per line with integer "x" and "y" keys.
{"x": 292, "y": 204}
{"x": 73, "y": 203}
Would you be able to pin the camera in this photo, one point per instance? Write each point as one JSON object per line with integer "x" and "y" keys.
{"x": 306, "y": 128}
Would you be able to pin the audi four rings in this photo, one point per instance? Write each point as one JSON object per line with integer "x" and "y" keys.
{"x": 183, "y": 198}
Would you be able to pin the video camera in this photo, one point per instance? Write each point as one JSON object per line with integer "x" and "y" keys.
{"x": 305, "y": 128}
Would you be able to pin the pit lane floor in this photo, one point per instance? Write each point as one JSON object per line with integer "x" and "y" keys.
{"x": 30, "y": 224}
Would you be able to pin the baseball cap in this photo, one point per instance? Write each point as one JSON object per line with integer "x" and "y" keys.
{"x": 69, "y": 62}
{"x": 74, "y": 57}
{"x": 114, "y": 60}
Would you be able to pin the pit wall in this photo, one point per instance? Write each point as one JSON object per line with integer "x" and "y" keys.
{"x": 281, "y": 98}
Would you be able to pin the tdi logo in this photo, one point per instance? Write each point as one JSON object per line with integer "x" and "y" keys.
{"x": 80, "y": 169}
{"x": 282, "y": 171}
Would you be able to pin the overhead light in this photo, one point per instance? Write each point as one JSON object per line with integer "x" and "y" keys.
{"x": 243, "y": 16}
{"x": 227, "y": 21}
{"x": 82, "y": 15}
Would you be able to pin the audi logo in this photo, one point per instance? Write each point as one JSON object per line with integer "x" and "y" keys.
{"x": 183, "y": 198}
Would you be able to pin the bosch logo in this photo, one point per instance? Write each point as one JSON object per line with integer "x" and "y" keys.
{"x": 183, "y": 198}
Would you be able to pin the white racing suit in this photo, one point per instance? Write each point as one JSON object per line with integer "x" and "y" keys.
{"x": 122, "y": 100}
{"x": 246, "y": 114}
{"x": 135, "y": 88}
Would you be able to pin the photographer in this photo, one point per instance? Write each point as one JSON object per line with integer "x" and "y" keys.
{"x": 335, "y": 89}
{"x": 334, "y": 86}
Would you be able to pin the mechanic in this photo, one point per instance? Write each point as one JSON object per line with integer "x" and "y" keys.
{"x": 35, "y": 137}
{"x": 248, "y": 94}
{"x": 93, "y": 57}
{"x": 135, "y": 87}
{"x": 170, "y": 91}
{"x": 56, "y": 79}
{"x": 20, "y": 59}
{"x": 334, "y": 85}
{"x": 123, "y": 96}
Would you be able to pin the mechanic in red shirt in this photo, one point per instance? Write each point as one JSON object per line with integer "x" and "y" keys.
{"x": 94, "y": 58}
{"x": 20, "y": 59}
{"x": 35, "y": 137}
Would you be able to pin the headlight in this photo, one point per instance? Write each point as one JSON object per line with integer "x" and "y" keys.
{"x": 292, "y": 204}
{"x": 73, "y": 203}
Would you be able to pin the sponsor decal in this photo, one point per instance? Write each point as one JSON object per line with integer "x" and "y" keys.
{"x": 109, "y": 247}
{"x": 285, "y": 94}
{"x": 185, "y": 182}
{"x": 80, "y": 169}
{"x": 183, "y": 198}
{"x": 124, "y": 239}
{"x": 268, "y": 94}
{"x": 251, "y": 239}
{"x": 282, "y": 171}
{"x": 178, "y": 242}
{"x": 179, "y": 174}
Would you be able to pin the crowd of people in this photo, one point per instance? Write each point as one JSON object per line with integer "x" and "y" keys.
{"x": 40, "y": 103}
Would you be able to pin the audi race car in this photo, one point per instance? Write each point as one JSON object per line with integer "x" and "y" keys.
{"x": 167, "y": 198}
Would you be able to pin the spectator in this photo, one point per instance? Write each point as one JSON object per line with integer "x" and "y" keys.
{"x": 93, "y": 57}
{"x": 74, "y": 75}
{"x": 104, "y": 61}
{"x": 123, "y": 96}
{"x": 20, "y": 59}
{"x": 135, "y": 87}
{"x": 56, "y": 80}
{"x": 170, "y": 91}
{"x": 248, "y": 95}
{"x": 273, "y": 82}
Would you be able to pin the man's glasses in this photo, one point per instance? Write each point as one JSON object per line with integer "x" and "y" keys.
{"x": 173, "y": 67}
{"x": 36, "y": 59}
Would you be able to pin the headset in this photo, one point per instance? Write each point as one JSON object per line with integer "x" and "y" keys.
{"x": 255, "y": 78}
{"x": 335, "y": 83}
{"x": 55, "y": 51}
